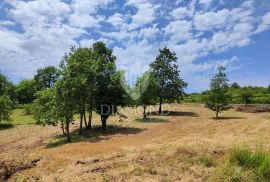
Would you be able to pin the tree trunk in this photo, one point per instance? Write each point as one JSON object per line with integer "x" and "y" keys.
{"x": 104, "y": 123}
{"x": 67, "y": 130}
{"x": 90, "y": 113}
{"x": 81, "y": 123}
{"x": 160, "y": 106}
{"x": 246, "y": 103}
{"x": 89, "y": 126}
{"x": 144, "y": 113}
{"x": 217, "y": 114}
{"x": 84, "y": 118}
{"x": 63, "y": 128}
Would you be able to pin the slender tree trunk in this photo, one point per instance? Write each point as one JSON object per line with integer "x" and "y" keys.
{"x": 89, "y": 126}
{"x": 81, "y": 122}
{"x": 90, "y": 113}
{"x": 160, "y": 105}
{"x": 63, "y": 128}
{"x": 104, "y": 123}
{"x": 246, "y": 103}
{"x": 217, "y": 114}
{"x": 84, "y": 118}
{"x": 67, "y": 130}
{"x": 144, "y": 113}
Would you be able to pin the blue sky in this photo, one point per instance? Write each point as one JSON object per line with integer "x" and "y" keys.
{"x": 203, "y": 33}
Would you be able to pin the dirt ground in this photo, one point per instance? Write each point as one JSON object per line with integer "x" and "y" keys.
{"x": 164, "y": 148}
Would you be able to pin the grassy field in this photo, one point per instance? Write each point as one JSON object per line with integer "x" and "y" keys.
{"x": 185, "y": 145}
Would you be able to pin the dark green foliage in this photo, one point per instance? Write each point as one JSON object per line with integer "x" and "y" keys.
{"x": 109, "y": 92}
{"x": 5, "y": 108}
{"x": 25, "y": 91}
{"x": 235, "y": 85}
{"x": 246, "y": 96}
{"x": 146, "y": 87}
{"x": 218, "y": 98}
{"x": 46, "y": 77}
{"x": 80, "y": 65}
{"x": 7, "y": 88}
{"x": 166, "y": 72}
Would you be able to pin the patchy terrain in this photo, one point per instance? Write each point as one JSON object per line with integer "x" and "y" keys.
{"x": 185, "y": 145}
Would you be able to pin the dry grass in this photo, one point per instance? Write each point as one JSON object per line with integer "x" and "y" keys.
{"x": 186, "y": 145}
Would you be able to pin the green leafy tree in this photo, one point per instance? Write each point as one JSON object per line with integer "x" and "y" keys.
{"x": 5, "y": 108}
{"x": 268, "y": 89}
{"x": 146, "y": 86}
{"x": 166, "y": 72}
{"x": 235, "y": 85}
{"x": 109, "y": 92}
{"x": 25, "y": 91}
{"x": 7, "y": 88}
{"x": 44, "y": 107}
{"x": 246, "y": 96}
{"x": 217, "y": 98}
{"x": 46, "y": 77}
{"x": 80, "y": 65}
{"x": 55, "y": 105}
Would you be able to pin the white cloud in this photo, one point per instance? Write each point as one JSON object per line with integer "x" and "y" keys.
{"x": 179, "y": 30}
{"x": 209, "y": 20}
{"x": 117, "y": 20}
{"x": 265, "y": 23}
{"x": 181, "y": 13}
{"x": 7, "y": 23}
{"x": 146, "y": 13}
{"x": 83, "y": 20}
{"x": 149, "y": 32}
{"x": 88, "y": 6}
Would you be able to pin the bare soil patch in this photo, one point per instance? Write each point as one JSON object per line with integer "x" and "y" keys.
{"x": 253, "y": 108}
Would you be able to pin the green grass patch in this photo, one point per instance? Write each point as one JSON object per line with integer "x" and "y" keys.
{"x": 19, "y": 117}
{"x": 258, "y": 161}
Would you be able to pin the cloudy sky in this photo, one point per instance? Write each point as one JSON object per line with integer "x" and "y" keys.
{"x": 203, "y": 33}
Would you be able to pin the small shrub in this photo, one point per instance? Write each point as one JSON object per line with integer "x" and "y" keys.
{"x": 27, "y": 109}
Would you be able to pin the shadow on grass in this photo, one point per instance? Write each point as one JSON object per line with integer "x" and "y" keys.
{"x": 173, "y": 113}
{"x": 5, "y": 126}
{"x": 227, "y": 118}
{"x": 94, "y": 135}
{"x": 152, "y": 120}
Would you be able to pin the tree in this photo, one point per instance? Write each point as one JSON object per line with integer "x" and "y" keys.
{"x": 5, "y": 108}
{"x": 46, "y": 77}
{"x": 109, "y": 92}
{"x": 80, "y": 65}
{"x": 235, "y": 85}
{"x": 218, "y": 98}
{"x": 25, "y": 91}
{"x": 7, "y": 88}
{"x": 166, "y": 72}
{"x": 268, "y": 89}
{"x": 44, "y": 107}
{"x": 54, "y": 105}
{"x": 246, "y": 96}
{"x": 146, "y": 87}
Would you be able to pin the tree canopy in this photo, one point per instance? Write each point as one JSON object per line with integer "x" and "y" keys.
{"x": 217, "y": 98}
{"x": 166, "y": 72}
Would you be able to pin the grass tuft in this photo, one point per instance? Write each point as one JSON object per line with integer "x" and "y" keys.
{"x": 257, "y": 161}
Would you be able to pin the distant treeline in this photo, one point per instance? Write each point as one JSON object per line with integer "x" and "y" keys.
{"x": 238, "y": 95}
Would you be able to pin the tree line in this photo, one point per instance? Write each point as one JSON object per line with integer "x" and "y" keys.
{"x": 88, "y": 80}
